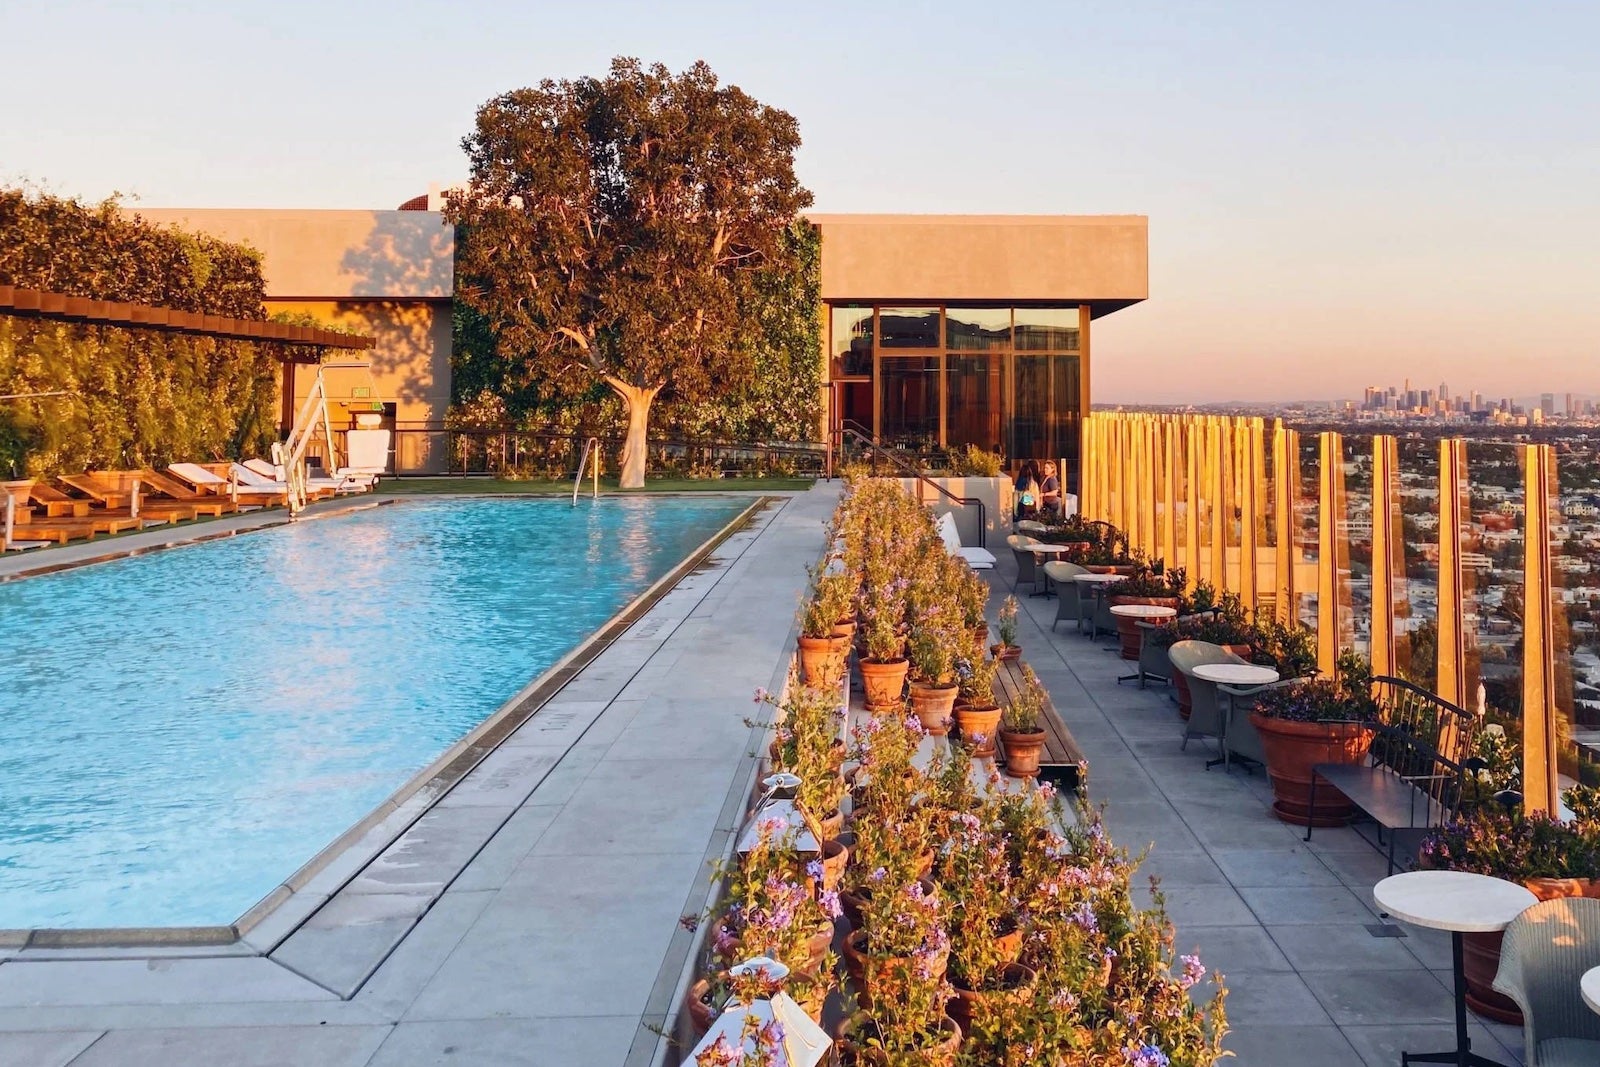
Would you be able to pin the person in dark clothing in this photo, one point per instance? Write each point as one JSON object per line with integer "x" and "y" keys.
{"x": 1027, "y": 487}
{"x": 1050, "y": 492}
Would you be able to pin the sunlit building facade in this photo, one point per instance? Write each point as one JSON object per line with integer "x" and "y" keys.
{"x": 946, "y": 331}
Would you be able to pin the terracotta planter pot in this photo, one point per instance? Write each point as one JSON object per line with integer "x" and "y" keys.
{"x": 979, "y": 723}
{"x": 845, "y": 628}
{"x": 1125, "y": 569}
{"x": 855, "y": 1050}
{"x": 835, "y": 858}
{"x": 934, "y": 705}
{"x": 1006, "y": 653}
{"x": 1016, "y": 981}
{"x": 1022, "y": 752}
{"x": 701, "y": 1013}
{"x": 885, "y": 683}
{"x": 1009, "y": 941}
{"x": 862, "y": 966}
{"x": 832, "y": 824}
{"x": 1291, "y": 750}
{"x": 980, "y": 634}
{"x": 822, "y": 660}
{"x": 1480, "y": 953}
{"x": 1128, "y": 627}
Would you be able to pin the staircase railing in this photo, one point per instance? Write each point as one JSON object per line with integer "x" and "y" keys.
{"x": 848, "y": 434}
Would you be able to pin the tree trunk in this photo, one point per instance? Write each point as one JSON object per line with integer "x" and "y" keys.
{"x": 637, "y": 399}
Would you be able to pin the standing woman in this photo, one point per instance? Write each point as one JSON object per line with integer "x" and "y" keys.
{"x": 1050, "y": 492}
{"x": 1028, "y": 490}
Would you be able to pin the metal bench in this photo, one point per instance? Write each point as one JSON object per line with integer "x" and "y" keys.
{"x": 1416, "y": 768}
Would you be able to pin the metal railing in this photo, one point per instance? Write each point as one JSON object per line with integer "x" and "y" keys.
{"x": 590, "y": 446}
{"x": 434, "y": 450}
{"x": 876, "y": 456}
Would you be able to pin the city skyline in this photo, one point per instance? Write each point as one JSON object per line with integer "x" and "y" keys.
{"x": 1324, "y": 203}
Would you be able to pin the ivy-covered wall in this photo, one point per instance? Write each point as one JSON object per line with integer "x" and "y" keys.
{"x": 133, "y": 397}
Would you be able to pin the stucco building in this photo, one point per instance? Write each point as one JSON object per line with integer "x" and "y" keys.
{"x": 389, "y": 274}
{"x": 938, "y": 330}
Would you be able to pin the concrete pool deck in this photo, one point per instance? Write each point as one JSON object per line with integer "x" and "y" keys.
{"x": 529, "y": 916}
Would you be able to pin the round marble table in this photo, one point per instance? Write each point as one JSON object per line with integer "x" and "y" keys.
{"x": 1460, "y": 903}
{"x": 1144, "y": 611}
{"x": 1590, "y": 985}
{"x": 1235, "y": 673}
{"x": 1045, "y": 548}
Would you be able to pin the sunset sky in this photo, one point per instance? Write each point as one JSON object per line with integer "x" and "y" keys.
{"x": 1339, "y": 194}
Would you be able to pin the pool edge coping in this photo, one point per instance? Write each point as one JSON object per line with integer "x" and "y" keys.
{"x": 402, "y": 806}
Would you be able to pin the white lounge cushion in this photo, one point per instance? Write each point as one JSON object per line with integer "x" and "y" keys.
{"x": 979, "y": 559}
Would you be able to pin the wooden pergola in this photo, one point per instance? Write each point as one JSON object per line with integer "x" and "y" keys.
{"x": 49, "y": 305}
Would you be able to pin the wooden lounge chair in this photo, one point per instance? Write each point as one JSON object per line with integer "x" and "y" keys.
{"x": 174, "y": 489}
{"x": 60, "y": 506}
{"x": 17, "y": 516}
{"x": 204, "y": 479}
{"x": 120, "y": 489}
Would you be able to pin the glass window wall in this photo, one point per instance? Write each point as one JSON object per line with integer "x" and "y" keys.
{"x": 978, "y": 329}
{"x": 974, "y": 388}
{"x": 1047, "y": 329}
{"x": 852, "y": 342}
{"x": 909, "y": 328}
{"x": 910, "y": 401}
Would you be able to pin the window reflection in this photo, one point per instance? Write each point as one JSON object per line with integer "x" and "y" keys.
{"x": 978, "y": 329}
{"x": 910, "y": 392}
{"x": 973, "y": 389}
{"x": 852, "y": 342}
{"x": 909, "y": 328}
{"x": 1047, "y": 329}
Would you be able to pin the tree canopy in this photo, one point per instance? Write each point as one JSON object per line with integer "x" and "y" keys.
{"x": 618, "y": 226}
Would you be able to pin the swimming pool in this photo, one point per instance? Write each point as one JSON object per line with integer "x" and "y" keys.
{"x": 181, "y": 731}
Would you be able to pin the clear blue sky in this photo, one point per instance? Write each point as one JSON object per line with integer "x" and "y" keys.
{"x": 1338, "y": 193}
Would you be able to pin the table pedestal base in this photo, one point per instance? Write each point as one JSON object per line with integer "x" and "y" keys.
{"x": 1463, "y": 1056}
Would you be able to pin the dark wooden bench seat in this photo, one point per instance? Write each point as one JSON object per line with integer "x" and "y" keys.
{"x": 1064, "y": 763}
{"x": 1413, "y": 777}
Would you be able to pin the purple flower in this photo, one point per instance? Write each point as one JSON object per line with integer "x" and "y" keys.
{"x": 721, "y": 1053}
{"x": 830, "y": 903}
{"x": 878, "y": 875}
{"x": 761, "y": 696}
{"x": 814, "y": 870}
{"x": 1193, "y": 971}
{"x": 1145, "y": 1056}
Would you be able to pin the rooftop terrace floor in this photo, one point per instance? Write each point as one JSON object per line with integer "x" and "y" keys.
{"x": 1284, "y": 920}
{"x": 530, "y": 915}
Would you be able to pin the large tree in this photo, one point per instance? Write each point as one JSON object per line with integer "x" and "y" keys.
{"x": 616, "y": 225}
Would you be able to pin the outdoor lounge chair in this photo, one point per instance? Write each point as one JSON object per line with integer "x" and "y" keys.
{"x": 338, "y": 483}
{"x": 1069, "y": 602}
{"x": 1027, "y": 562}
{"x": 1545, "y": 952}
{"x": 979, "y": 559}
{"x": 204, "y": 479}
{"x": 72, "y": 511}
{"x": 1205, "y": 710}
{"x": 256, "y": 480}
{"x": 174, "y": 489}
{"x": 10, "y": 540}
{"x": 115, "y": 492}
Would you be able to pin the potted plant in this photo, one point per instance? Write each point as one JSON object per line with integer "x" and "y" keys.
{"x": 933, "y": 674}
{"x": 1320, "y": 720}
{"x": 897, "y": 964}
{"x": 1552, "y": 858}
{"x": 977, "y": 713}
{"x": 1020, "y": 731}
{"x": 893, "y": 835}
{"x": 767, "y": 910}
{"x": 882, "y": 613}
{"x": 822, "y": 650}
{"x": 1006, "y": 628}
{"x": 807, "y": 745}
{"x": 975, "y": 877}
{"x": 1291, "y": 650}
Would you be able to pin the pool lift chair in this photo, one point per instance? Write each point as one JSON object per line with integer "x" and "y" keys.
{"x": 365, "y": 447}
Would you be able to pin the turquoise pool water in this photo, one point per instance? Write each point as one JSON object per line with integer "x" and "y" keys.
{"x": 181, "y": 731}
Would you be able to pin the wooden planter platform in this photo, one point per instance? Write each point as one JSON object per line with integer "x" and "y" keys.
{"x": 1064, "y": 764}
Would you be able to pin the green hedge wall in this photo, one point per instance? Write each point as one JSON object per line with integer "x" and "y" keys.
{"x": 136, "y": 397}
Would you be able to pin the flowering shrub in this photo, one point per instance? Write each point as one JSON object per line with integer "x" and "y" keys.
{"x": 1006, "y": 623}
{"x": 831, "y": 598}
{"x": 1515, "y": 846}
{"x": 808, "y": 747}
{"x": 975, "y": 673}
{"x": 1317, "y": 700}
